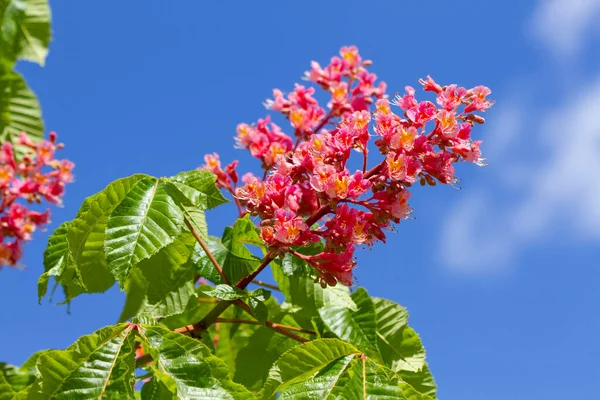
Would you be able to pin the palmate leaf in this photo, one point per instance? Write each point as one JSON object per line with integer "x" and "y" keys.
{"x": 95, "y": 366}
{"x": 128, "y": 224}
{"x": 24, "y": 30}
{"x": 187, "y": 368}
{"x": 332, "y": 369}
{"x": 19, "y": 110}
{"x": 86, "y": 235}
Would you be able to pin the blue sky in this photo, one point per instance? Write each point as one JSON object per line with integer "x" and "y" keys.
{"x": 501, "y": 278}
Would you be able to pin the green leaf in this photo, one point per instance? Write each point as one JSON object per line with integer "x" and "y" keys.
{"x": 199, "y": 187}
{"x": 400, "y": 346}
{"x": 19, "y": 110}
{"x": 187, "y": 367}
{"x": 24, "y": 30}
{"x": 263, "y": 348}
{"x": 135, "y": 295}
{"x": 231, "y": 253}
{"x": 13, "y": 380}
{"x": 155, "y": 389}
{"x": 225, "y": 292}
{"x": 86, "y": 235}
{"x": 56, "y": 257}
{"x": 301, "y": 290}
{"x": 256, "y": 301}
{"x": 332, "y": 369}
{"x": 146, "y": 220}
{"x": 204, "y": 265}
{"x": 259, "y": 310}
{"x": 356, "y": 327}
{"x": 96, "y": 365}
{"x": 421, "y": 381}
{"x": 303, "y": 361}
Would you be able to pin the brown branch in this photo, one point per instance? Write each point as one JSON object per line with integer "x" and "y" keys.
{"x": 206, "y": 250}
{"x": 265, "y": 284}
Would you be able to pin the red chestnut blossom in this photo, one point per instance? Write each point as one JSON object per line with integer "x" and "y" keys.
{"x": 34, "y": 177}
{"x": 308, "y": 194}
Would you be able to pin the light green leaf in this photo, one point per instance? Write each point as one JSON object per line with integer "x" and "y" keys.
{"x": 146, "y": 220}
{"x": 86, "y": 235}
{"x": 13, "y": 380}
{"x": 187, "y": 367}
{"x": 301, "y": 290}
{"x": 400, "y": 346}
{"x": 96, "y": 365}
{"x": 19, "y": 110}
{"x": 421, "y": 381}
{"x": 56, "y": 257}
{"x": 356, "y": 327}
{"x": 24, "y": 30}
{"x": 304, "y": 361}
{"x": 225, "y": 292}
{"x": 199, "y": 187}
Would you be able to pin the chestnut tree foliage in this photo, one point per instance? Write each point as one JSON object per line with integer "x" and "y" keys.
{"x": 197, "y": 322}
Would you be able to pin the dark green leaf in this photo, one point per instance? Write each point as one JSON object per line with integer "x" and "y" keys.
{"x": 259, "y": 310}
{"x": 263, "y": 348}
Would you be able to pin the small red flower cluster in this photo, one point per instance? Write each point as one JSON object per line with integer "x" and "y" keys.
{"x": 310, "y": 182}
{"x": 28, "y": 179}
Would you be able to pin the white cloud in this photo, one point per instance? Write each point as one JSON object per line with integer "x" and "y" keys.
{"x": 563, "y": 24}
{"x": 561, "y": 191}
{"x": 552, "y": 195}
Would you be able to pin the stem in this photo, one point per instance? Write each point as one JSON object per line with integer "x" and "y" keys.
{"x": 277, "y": 328}
{"x": 206, "y": 250}
{"x": 246, "y": 281}
{"x": 364, "y": 170}
{"x": 268, "y": 323}
{"x": 267, "y": 285}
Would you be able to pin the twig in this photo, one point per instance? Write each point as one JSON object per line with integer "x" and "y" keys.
{"x": 265, "y": 284}
{"x": 206, "y": 250}
{"x": 268, "y": 323}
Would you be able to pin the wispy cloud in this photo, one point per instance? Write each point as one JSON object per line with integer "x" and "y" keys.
{"x": 563, "y": 25}
{"x": 558, "y": 195}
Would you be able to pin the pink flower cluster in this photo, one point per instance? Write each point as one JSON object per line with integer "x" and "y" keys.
{"x": 309, "y": 194}
{"x": 32, "y": 178}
